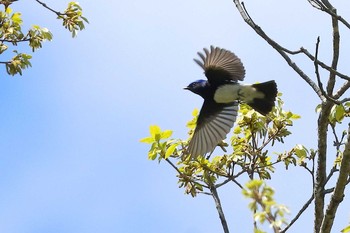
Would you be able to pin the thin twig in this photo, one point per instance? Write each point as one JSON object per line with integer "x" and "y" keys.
{"x": 312, "y": 58}
{"x": 309, "y": 170}
{"x": 182, "y": 175}
{"x": 171, "y": 164}
{"x": 328, "y": 191}
{"x": 319, "y": 82}
{"x": 14, "y": 41}
{"x": 49, "y": 8}
{"x": 341, "y": 91}
{"x": 325, "y": 8}
{"x": 322, "y": 64}
{"x": 336, "y": 48}
{"x": 205, "y": 193}
{"x": 229, "y": 178}
{"x": 301, "y": 211}
{"x": 331, "y": 173}
{"x": 277, "y": 47}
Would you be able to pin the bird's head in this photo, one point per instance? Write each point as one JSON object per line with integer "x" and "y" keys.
{"x": 198, "y": 87}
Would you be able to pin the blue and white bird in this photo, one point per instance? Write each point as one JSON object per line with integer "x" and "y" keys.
{"x": 222, "y": 94}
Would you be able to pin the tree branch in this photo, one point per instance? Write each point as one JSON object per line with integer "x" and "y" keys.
{"x": 342, "y": 90}
{"x": 49, "y": 8}
{"x": 320, "y": 63}
{"x": 217, "y": 201}
{"x": 301, "y": 211}
{"x": 321, "y": 163}
{"x": 338, "y": 193}
{"x": 320, "y": 85}
{"x": 328, "y": 99}
{"x": 191, "y": 179}
{"x": 229, "y": 178}
{"x": 336, "y": 41}
{"x": 331, "y": 173}
{"x": 14, "y": 41}
{"x": 277, "y": 47}
{"x": 324, "y": 6}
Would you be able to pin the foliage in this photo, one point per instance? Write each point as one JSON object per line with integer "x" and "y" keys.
{"x": 253, "y": 137}
{"x": 331, "y": 87}
{"x": 346, "y": 229}
{"x": 12, "y": 34}
{"x": 251, "y": 160}
{"x": 264, "y": 206}
{"x": 73, "y": 19}
{"x": 160, "y": 147}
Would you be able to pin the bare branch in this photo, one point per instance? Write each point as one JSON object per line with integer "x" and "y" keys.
{"x": 230, "y": 178}
{"x": 301, "y": 211}
{"x": 325, "y": 6}
{"x": 217, "y": 201}
{"x": 320, "y": 63}
{"x": 206, "y": 193}
{"x": 336, "y": 41}
{"x": 310, "y": 171}
{"x": 317, "y": 4}
{"x": 328, "y": 97}
{"x": 171, "y": 164}
{"x": 222, "y": 183}
{"x": 14, "y": 41}
{"x": 320, "y": 85}
{"x": 321, "y": 163}
{"x": 49, "y": 8}
{"x": 342, "y": 90}
{"x": 327, "y": 191}
{"x": 331, "y": 173}
{"x": 277, "y": 47}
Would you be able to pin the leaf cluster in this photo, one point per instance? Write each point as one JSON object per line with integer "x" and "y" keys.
{"x": 338, "y": 112}
{"x": 264, "y": 206}
{"x": 12, "y": 34}
{"x": 251, "y": 159}
{"x": 73, "y": 18}
{"x": 254, "y": 133}
{"x": 252, "y": 137}
{"x": 160, "y": 146}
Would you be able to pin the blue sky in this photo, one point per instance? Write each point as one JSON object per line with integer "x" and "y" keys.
{"x": 70, "y": 157}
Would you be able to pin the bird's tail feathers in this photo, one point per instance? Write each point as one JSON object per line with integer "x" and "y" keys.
{"x": 265, "y": 104}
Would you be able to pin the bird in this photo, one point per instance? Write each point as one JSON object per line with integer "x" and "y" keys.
{"x": 222, "y": 94}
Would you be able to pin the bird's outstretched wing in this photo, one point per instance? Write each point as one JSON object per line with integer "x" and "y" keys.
{"x": 214, "y": 123}
{"x": 221, "y": 66}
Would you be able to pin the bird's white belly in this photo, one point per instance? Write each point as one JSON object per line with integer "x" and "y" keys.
{"x": 231, "y": 92}
{"x": 227, "y": 93}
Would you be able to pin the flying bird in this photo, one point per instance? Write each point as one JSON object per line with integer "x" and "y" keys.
{"x": 222, "y": 93}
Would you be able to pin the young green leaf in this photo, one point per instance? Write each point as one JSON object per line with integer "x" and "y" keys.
{"x": 170, "y": 150}
{"x": 346, "y": 229}
{"x": 166, "y": 134}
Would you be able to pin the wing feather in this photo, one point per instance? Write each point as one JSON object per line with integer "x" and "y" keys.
{"x": 212, "y": 129}
{"x": 221, "y": 65}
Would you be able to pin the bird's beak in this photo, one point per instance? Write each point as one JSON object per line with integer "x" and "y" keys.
{"x": 186, "y": 88}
